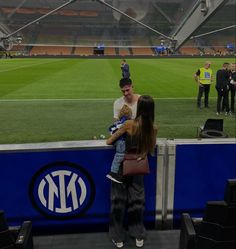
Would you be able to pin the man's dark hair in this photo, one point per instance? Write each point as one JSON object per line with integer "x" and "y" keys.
{"x": 225, "y": 64}
{"x": 125, "y": 82}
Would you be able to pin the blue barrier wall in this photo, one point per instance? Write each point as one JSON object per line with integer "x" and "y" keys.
{"x": 201, "y": 171}
{"x": 63, "y": 189}
{"x": 62, "y": 186}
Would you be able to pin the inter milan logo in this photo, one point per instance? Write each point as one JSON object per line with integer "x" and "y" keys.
{"x": 62, "y": 190}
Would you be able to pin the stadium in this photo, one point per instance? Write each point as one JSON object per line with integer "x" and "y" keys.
{"x": 60, "y": 72}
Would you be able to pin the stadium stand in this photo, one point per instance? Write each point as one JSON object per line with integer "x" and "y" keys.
{"x": 18, "y": 48}
{"x": 84, "y": 51}
{"x": 109, "y": 51}
{"x": 50, "y": 50}
{"x": 87, "y": 41}
{"x": 189, "y": 51}
{"x": 142, "y": 51}
{"x": 87, "y": 24}
{"x": 208, "y": 51}
{"x": 124, "y": 51}
{"x": 54, "y": 39}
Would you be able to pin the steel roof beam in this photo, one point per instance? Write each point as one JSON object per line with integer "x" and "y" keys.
{"x": 133, "y": 19}
{"x": 200, "y": 13}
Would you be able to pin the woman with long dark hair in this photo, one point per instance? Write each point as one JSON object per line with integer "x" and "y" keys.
{"x": 130, "y": 197}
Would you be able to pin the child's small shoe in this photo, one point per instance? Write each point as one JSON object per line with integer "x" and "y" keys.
{"x": 115, "y": 177}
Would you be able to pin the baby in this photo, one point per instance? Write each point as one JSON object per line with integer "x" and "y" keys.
{"x": 125, "y": 114}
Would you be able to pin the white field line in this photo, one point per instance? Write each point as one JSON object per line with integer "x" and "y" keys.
{"x": 25, "y": 66}
{"x": 98, "y": 99}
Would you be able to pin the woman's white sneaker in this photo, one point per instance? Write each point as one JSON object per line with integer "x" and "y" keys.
{"x": 118, "y": 244}
{"x": 139, "y": 242}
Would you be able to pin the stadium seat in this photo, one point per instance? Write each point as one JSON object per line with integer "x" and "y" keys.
{"x": 19, "y": 237}
{"x": 188, "y": 232}
{"x": 213, "y": 128}
{"x": 230, "y": 192}
{"x": 217, "y": 228}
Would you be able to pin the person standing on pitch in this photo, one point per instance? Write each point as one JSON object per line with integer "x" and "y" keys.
{"x": 203, "y": 77}
{"x": 232, "y": 86}
{"x": 125, "y": 69}
{"x": 222, "y": 88}
{"x": 129, "y": 98}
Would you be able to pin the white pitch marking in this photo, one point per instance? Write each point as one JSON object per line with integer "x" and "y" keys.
{"x": 102, "y": 99}
{"x": 25, "y": 66}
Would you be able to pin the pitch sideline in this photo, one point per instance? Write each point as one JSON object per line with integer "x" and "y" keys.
{"x": 98, "y": 99}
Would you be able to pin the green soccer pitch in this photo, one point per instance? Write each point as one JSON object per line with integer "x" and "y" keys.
{"x": 46, "y": 100}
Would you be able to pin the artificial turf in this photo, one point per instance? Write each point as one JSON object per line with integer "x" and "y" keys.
{"x": 71, "y": 99}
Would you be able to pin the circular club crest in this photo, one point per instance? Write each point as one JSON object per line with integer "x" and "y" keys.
{"x": 62, "y": 190}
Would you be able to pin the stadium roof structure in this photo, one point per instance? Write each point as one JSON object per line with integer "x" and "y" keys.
{"x": 118, "y": 23}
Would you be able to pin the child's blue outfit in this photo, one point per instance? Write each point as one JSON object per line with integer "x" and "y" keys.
{"x": 119, "y": 145}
